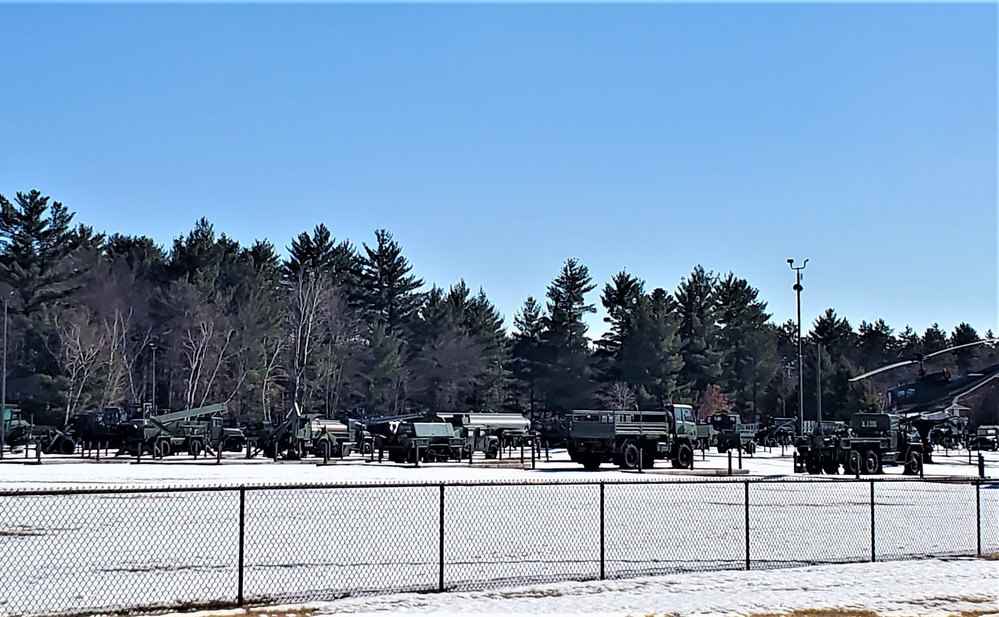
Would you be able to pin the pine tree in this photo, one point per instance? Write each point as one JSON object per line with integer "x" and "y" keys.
{"x": 567, "y": 384}
{"x": 747, "y": 342}
{"x": 698, "y": 331}
{"x": 527, "y": 355}
{"x": 387, "y": 289}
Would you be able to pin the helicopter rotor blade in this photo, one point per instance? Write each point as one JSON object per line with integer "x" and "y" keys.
{"x": 987, "y": 341}
{"x": 883, "y": 368}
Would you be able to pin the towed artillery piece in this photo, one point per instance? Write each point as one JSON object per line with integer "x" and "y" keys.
{"x": 633, "y": 439}
{"x": 777, "y": 432}
{"x": 18, "y": 432}
{"x": 301, "y": 435}
{"x": 197, "y": 432}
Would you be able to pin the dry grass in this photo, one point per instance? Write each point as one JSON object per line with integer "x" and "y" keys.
{"x": 21, "y": 532}
{"x": 819, "y": 612}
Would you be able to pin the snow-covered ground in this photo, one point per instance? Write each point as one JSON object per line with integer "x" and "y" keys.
{"x": 99, "y": 551}
{"x": 58, "y": 471}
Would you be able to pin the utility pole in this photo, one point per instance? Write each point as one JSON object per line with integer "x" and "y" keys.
{"x": 152, "y": 348}
{"x": 818, "y": 382}
{"x": 801, "y": 373}
{"x": 3, "y": 388}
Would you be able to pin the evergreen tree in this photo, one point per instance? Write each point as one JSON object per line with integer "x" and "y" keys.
{"x": 527, "y": 354}
{"x": 747, "y": 344}
{"x": 695, "y": 301}
{"x": 567, "y": 384}
{"x": 388, "y": 290}
{"x": 649, "y": 357}
{"x": 933, "y": 339}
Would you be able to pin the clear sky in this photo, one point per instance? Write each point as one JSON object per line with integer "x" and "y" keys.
{"x": 496, "y": 141}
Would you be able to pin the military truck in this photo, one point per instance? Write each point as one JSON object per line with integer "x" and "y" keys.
{"x": 877, "y": 439}
{"x": 16, "y": 430}
{"x": 986, "y": 438}
{"x": 630, "y": 439}
{"x": 305, "y": 434}
{"x": 429, "y": 442}
{"x": 489, "y": 432}
{"x": 732, "y": 434}
{"x": 197, "y": 432}
{"x": 820, "y": 451}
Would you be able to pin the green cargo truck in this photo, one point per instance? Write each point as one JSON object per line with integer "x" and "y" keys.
{"x": 632, "y": 439}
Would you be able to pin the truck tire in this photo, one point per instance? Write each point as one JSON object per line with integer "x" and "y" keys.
{"x": 196, "y": 449}
{"x": 871, "y": 462}
{"x": 67, "y": 445}
{"x": 853, "y": 462}
{"x": 913, "y": 463}
{"x": 830, "y": 468}
{"x": 591, "y": 463}
{"x": 630, "y": 456}
{"x": 750, "y": 448}
{"x": 161, "y": 449}
{"x": 684, "y": 457}
{"x": 325, "y": 450}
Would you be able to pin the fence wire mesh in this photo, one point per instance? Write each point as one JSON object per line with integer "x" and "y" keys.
{"x": 72, "y": 552}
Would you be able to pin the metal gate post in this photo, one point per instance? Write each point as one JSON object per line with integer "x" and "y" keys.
{"x": 602, "y": 538}
{"x": 747, "y": 523}
{"x": 872, "y": 522}
{"x": 440, "y": 583}
{"x": 978, "y": 514}
{"x": 242, "y": 543}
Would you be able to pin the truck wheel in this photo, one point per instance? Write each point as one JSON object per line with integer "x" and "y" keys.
{"x": 630, "y": 457}
{"x": 853, "y": 462}
{"x": 872, "y": 462}
{"x": 162, "y": 449}
{"x": 831, "y": 468}
{"x": 591, "y": 464}
{"x": 196, "y": 449}
{"x": 67, "y": 445}
{"x": 492, "y": 452}
{"x": 913, "y": 463}
{"x": 325, "y": 450}
{"x": 684, "y": 457}
{"x": 750, "y": 448}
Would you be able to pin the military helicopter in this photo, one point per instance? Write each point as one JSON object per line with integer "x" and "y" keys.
{"x": 933, "y": 391}
{"x": 929, "y": 400}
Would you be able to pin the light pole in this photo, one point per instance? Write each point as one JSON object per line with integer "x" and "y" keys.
{"x": 801, "y": 373}
{"x": 3, "y": 387}
{"x": 152, "y": 347}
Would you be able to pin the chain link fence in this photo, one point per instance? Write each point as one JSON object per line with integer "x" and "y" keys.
{"x": 158, "y": 549}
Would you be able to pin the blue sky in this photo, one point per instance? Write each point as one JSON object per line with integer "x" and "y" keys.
{"x": 496, "y": 141}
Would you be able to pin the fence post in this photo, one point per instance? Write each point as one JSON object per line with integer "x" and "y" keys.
{"x": 440, "y": 584}
{"x": 872, "y": 523}
{"x": 747, "y": 523}
{"x": 242, "y": 538}
{"x": 978, "y": 514}
{"x": 602, "y": 538}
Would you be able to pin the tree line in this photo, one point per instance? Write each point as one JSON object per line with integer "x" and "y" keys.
{"x": 95, "y": 320}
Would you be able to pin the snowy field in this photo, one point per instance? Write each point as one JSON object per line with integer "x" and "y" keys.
{"x": 345, "y": 537}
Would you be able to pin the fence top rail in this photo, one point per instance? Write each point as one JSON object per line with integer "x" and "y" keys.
{"x": 123, "y": 489}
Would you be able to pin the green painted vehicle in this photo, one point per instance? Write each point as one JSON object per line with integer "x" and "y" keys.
{"x": 632, "y": 439}
{"x": 428, "y": 442}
